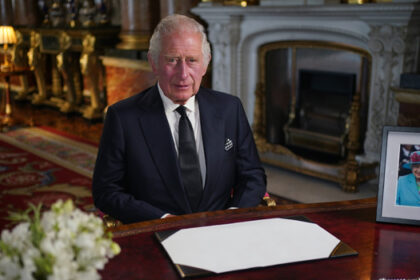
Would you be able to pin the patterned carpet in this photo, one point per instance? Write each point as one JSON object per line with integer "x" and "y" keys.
{"x": 40, "y": 165}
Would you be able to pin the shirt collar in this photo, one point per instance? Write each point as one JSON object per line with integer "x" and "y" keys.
{"x": 170, "y": 106}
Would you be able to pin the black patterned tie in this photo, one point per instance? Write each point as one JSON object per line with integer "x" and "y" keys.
{"x": 188, "y": 160}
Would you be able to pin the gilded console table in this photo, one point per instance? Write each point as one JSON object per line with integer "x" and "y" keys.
{"x": 67, "y": 68}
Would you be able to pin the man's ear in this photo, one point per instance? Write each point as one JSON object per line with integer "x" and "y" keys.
{"x": 207, "y": 66}
{"x": 152, "y": 63}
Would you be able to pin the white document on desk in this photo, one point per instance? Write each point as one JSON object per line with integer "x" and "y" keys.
{"x": 243, "y": 245}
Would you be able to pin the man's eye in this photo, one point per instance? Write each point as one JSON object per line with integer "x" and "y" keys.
{"x": 171, "y": 59}
{"x": 192, "y": 60}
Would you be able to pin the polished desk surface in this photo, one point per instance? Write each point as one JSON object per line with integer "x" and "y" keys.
{"x": 385, "y": 250}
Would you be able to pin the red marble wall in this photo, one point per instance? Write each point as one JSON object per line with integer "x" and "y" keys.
{"x": 126, "y": 79}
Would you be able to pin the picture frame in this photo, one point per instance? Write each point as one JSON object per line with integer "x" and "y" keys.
{"x": 398, "y": 143}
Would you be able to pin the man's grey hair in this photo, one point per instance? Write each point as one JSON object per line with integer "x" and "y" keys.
{"x": 177, "y": 23}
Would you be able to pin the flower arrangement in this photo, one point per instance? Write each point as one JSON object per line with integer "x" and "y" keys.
{"x": 62, "y": 243}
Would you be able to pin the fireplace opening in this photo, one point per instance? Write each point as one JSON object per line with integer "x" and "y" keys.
{"x": 322, "y": 117}
{"x": 307, "y": 97}
{"x": 324, "y": 101}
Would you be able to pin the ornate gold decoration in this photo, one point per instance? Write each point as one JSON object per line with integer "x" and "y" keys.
{"x": 65, "y": 41}
{"x": 269, "y": 201}
{"x": 88, "y": 43}
{"x": 36, "y": 61}
{"x": 134, "y": 42}
{"x": 404, "y": 95}
{"x": 56, "y": 88}
{"x": 242, "y": 3}
{"x": 353, "y": 145}
{"x": 356, "y": 1}
{"x": 20, "y": 59}
{"x": 91, "y": 69}
{"x": 72, "y": 58}
{"x": 68, "y": 65}
{"x": 110, "y": 222}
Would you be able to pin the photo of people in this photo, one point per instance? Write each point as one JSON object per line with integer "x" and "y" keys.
{"x": 405, "y": 152}
{"x": 408, "y": 189}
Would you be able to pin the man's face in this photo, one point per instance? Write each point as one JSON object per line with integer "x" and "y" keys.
{"x": 180, "y": 66}
{"x": 415, "y": 168}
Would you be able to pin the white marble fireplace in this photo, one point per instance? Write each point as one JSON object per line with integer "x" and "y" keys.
{"x": 389, "y": 32}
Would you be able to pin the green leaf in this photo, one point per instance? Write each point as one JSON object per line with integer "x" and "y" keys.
{"x": 7, "y": 249}
{"x": 44, "y": 266}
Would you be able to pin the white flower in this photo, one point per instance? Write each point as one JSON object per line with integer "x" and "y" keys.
{"x": 63, "y": 243}
{"x": 89, "y": 274}
{"x": 9, "y": 267}
{"x": 29, "y": 266}
{"x": 19, "y": 238}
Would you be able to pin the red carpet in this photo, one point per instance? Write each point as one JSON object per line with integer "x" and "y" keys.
{"x": 40, "y": 165}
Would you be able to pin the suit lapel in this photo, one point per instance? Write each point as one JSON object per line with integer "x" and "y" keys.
{"x": 158, "y": 136}
{"x": 213, "y": 133}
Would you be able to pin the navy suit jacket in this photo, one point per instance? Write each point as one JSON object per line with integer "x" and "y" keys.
{"x": 137, "y": 176}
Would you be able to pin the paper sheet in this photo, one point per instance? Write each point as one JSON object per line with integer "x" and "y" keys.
{"x": 243, "y": 245}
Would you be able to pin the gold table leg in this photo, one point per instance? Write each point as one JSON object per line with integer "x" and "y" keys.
{"x": 7, "y": 117}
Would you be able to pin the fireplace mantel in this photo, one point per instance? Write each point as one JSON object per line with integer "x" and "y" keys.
{"x": 389, "y": 32}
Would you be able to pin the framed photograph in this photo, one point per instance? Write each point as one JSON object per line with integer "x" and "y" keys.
{"x": 399, "y": 177}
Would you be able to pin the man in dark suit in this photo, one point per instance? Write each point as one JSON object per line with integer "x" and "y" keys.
{"x": 146, "y": 168}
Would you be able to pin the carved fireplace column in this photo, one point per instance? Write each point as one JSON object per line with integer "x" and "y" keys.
{"x": 388, "y": 49}
{"x": 224, "y": 36}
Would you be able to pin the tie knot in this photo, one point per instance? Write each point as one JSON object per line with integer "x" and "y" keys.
{"x": 181, "y": 110}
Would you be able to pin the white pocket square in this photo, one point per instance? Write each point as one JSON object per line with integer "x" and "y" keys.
{"x": 228, "y": 144}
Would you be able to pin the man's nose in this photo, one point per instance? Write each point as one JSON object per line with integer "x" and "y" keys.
{"x": 183, "y": 69}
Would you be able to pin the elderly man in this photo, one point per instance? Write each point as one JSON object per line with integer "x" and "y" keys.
{"x": 176, "y": 148}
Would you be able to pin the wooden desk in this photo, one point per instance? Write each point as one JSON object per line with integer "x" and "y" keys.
{"x": 385, "y": 250}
